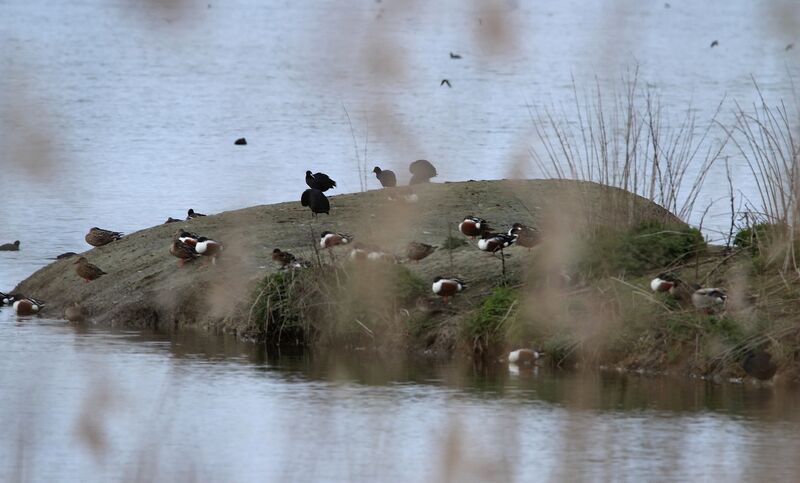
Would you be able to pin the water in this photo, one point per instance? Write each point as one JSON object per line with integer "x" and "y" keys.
{"x": 119, "y": 114}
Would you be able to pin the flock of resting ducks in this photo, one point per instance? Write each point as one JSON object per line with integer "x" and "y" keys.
{"x": 188, "y": 246}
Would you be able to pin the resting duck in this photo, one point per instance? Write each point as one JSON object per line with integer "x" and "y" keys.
{"x": 422, "y": 171}
{"x": 417, "y": 251}
{"x": 27, "y": 305}
{"x": 495, "y": 242}
{"x": 171, "y": 220}
{"x": 523, "y": 357}
{"x": 10, "y": 247}
{"x": 192, "y": 214}
{"x": 319, "y": 181}
{"x": 386, "y": 177}
{"x": 473, "y": 226}
{"x": 187, "y": 237}
{"x": 98, "y": 237}
{"x": 87, "y": 271}
{"x": 208, "y": 248}
{"x": 447, "y": 287}
{"x": 240, "y": 142}
{"x": 66, "y": 255}
{"x": 316, "y": 201}
{"x": 664, "y": 282}
{"x": 74, "y": 313}
{"x": 7, "y": 299}
{"x": 707, "y": 298}
{"x": 329, "y": 239}
{"x": 525, "y": 236}
{"x": 758, "y": 364}
{"x": 183, "y": 251}
{"x": 283, "y": 258}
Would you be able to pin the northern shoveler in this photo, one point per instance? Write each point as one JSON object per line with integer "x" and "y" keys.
{"x": 208, "y": 248}
{"x": 417, "y": 251}
{"x": 183, "y": 251}
{"x": 192, "y": 214}
{"x": 27, "y": 306}
{"x": 316, "y": 201}
{"x": 8, "y": 299}
{"x": 10, "y": 247}
{"x": 319, "y": 181}
{"x": 495, "y": 242}
{"x": 386, "y": 177}
{"x": 447, "y": 287}
{"x": 664, "y": 282}
{"x": 525, "y": 236}
{"x": 328, "y": 239}
{"x": 87, "y": 271}
{"x": 98, "y": 237}
{"x": 523, "y": 357}
{"x": 707, "y": 298}
{"x": 473, "y": 226}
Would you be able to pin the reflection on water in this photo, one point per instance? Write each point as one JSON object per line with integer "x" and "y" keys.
{"x": 115, "y": 403}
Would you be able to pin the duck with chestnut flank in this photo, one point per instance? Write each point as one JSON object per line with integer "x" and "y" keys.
{"x": 7, "y": 299}
{"x": 495, "y": 242}
{"x": 328, "y": 239}
{"x": 98, "y": 237}
{"x": 315, "y": 200}
{"x": 187, "y": 237}
{"x": 386, "y": 177}
{"x": 523, "y": 357}
{"x": 664, "y": 282}
{"x": 319, "y": 181}
{"x": 447, "y": 287}
{"x": 87, "y": 271}
{"x": 417, "y": 251}
{"x": 27, "y": 305}
{"x": 473, "y": 226}
{"x": 10, "y": 247}
{"x": 208, "y": 248}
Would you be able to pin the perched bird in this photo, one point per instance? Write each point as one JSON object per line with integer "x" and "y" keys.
{"x": 98, "y": 237}
{"x": 183, "y": 251}
{"x": 171, "y": 220}
{"x": 417, "y": 251}
{"x": 386, "y": 177}
{"x": 240, "y": 142}
{"x": 86, "y": 270}
{"x": 758, "y": 364}
{"x": 329, "y": 239}
{"x": 454, "y": 56}
{"x": 10, "y": 247}
{"x": 187, "y": 237}
{"x": 525, "y": 357}
{"x": 525, "y": 236}
{"x": 495, "y": 242}
{"x": 319, "y": 181}
{"x": 707, "y": 298}
{"x": 191, "y": 214}
{"x": 66, "y": 255}
{"x": 664, "y": 282}
{"x": 208, "y": 248}
{"x": 27, "y": 305}
{"x": 447, "y": 287}
{"x": 473, "y": 226}
{"x": 283, "y": 258}
{"x": 7, "y": 299}
{"x": 74, "y": 313}
{"x": 445, "y": 82}
{"x": 714, "y": 44}
{"x": 422, "y": 171}
{"x": 316, "y": 201}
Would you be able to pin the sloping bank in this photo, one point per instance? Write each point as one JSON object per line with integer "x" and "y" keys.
{"x": 338, "y": 301}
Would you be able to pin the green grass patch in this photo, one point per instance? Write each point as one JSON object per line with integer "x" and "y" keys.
{"x": 486, "y": 330}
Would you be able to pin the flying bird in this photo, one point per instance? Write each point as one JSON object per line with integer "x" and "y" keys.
{"x": 445, "y": 82}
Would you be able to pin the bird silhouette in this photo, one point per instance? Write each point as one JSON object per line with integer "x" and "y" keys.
{"x": 454, "y": 56}
{"x": 445, "y": 82}
{"x": 714, "y": 44}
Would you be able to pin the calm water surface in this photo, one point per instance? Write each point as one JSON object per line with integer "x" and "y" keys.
{"x": 119, "y": 114}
